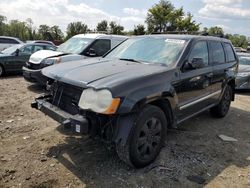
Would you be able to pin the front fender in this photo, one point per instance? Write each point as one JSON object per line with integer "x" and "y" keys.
{"x": 148, "y": 94}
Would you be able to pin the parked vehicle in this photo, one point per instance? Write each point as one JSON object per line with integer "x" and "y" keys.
{"x": 14, "y": 58}
{"x": 6, "y": 42}
{"x": 243, "y": 76}
{"x": 76, "y": 48}
{"x": 140, "y": 88}
{"x": 239, "y": 49}
{"x": 41, "y": 41}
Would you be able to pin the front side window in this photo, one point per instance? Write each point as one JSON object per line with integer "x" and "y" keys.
{"x": 217, "y": 52}
{"x": 200, "y": 50}
{"x": 154, "y": 50}
{"x": 74, "y": 45}
{"x": 37, "y": 48}
{"x": 26, "y": 50}
{"x": 100, "y": 47}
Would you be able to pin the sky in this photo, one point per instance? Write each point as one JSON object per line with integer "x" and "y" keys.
{"x": 232, "y": 15}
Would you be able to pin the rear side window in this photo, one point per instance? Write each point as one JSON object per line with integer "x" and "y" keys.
{"x": 199, "y": 50}
{"x": 217, "y": 53}
{"x": 8, "y": 41}
{"x": 229, "y": 52}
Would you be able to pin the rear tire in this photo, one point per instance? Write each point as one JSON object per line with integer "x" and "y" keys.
{"x": 222, "y": 108}
{"x": 146, "y": 138}
{"x": 1, "y": 71}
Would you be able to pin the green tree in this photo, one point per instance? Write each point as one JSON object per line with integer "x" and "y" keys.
{"x": 43, "y": 31}
{"x": 164, "y": 17}
{"x": 102, "y": 26}
{"x": 75, "y": 28}
{"x": 3, "y": 26}
{"x": 29, "y": 24}
{"x": 56, "y": 33}
{"x": 215, "y": 31}
{"x": 187, "y": 24}
{"x": 18, "y": 29}
{"x": 238, "y": 40}
{"x": 139, "y": 30}
{"x": 116, "y": 28}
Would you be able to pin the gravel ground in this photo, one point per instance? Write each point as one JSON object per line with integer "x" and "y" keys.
{"x": 36, "y": 152}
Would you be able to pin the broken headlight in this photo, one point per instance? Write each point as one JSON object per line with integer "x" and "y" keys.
{"x": 100, "y": 101}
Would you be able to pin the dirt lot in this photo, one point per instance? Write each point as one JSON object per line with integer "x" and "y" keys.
{"x": 35, "y": 152}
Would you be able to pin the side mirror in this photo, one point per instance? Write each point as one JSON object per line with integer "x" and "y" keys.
{"x": 17, "y": 52}
{"x": 197, "y": 63}
{"x": 92, "y": 52}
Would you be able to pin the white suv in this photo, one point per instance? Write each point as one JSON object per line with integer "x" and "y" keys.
{"x": 6, "y": 42}
{"x": 78, "y": 47}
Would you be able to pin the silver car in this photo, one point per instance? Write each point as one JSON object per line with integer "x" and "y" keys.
{"x": 243, "y": 76}
{"x": 6, "y": 42}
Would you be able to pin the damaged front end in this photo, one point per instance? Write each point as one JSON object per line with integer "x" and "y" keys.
{"x": 61, "y": 104}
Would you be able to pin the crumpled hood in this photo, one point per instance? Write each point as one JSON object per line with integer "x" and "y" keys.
{"x": 100, "y": 72}
{"x": 40, "y": 55}
{"x": 244, "y": 68}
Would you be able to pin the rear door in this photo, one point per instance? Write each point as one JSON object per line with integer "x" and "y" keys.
{"x": 223, "y": 58}
{"x": 194, "y": 88}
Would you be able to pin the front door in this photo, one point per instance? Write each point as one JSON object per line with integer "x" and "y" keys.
{"x": 194, "y": 87}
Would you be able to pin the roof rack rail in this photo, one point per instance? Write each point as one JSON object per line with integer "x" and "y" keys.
{"x": 190, "y": 33}
{"x": 176, "y": 32}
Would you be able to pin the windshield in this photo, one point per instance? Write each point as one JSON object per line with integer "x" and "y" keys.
{"x": 74, "y": 45}
{"x": 153, "y": 50}
{"x": 244, "y": 60}
{"x": 12, "y": 49}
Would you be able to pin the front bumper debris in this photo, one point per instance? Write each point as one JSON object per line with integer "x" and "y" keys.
{"x": 34, "y": 76}
{"x": 77, "y": 123}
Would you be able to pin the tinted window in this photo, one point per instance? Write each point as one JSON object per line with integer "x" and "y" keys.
{"x": 217, "y": 52}
{"x": 101, "y": 46}
{"x": 229, "y": 51}
{"x": 199, "y": 50}
{"x": 8, "y": 41}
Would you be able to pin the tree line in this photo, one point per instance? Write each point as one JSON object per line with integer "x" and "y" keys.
{"x": 162, "y": 17}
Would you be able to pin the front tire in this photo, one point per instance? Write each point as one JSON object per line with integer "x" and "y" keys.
{"x": 222, "y": 108}
{"x": 146, "y": 137}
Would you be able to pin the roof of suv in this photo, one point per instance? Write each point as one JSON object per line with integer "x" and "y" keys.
{"x": 186, "y": 37}
{"x": 98, "y": 35}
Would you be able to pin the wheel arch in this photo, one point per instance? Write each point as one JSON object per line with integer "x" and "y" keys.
{"x": 232, "y": 84}
{"x": 1, "y": 65}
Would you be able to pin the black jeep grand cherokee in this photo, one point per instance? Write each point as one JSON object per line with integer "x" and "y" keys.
{"x": 135, "y": 92}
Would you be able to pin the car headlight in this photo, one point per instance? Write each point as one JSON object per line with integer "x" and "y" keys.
{"x": 243, "y": 74}
{"x": 51, "y": 61}
{"x": 100, "y": 101}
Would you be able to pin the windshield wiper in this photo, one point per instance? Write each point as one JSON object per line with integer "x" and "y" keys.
{"x": 132, "y": 60}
